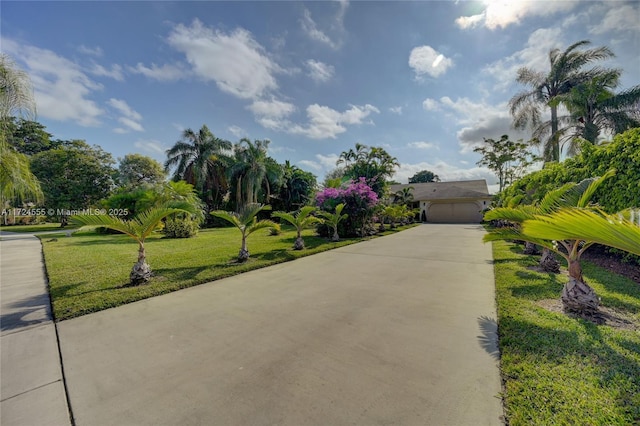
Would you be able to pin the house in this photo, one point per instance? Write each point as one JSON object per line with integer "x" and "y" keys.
{"x": 449, "y": 202}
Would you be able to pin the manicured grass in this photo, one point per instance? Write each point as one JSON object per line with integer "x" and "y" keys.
{"x": 559, "y": 370}
{"x": 90, "y": 272}
{"x": 35, "y": 228}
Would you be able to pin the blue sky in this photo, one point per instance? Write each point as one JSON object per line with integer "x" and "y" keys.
{"x": 425, "y": 80}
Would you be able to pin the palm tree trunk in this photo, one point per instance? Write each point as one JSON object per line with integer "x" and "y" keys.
{"x": 555, "y": 143}
{"x": 141, "y": 271}
{"x": 577, "y": 295}
{"x": 335, "y": 237}
{"x": 530, "y": 248}
{"x": 548, "y": 262}
{"x": 243, "y": 255}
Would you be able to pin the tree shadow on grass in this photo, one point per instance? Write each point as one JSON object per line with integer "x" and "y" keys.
{"x": 551, "y": 345}
{"x": 546, "y": 286}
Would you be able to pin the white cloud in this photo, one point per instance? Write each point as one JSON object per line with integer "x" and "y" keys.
{"x": 319, "y": 71}
{"x": 322, "y": 163}
{"x": 430, "y": 104}
{"x": 535, "y": 55}
{"x": 166, "y": 72}
{"x": 478, "y": 120}
{"x": 92, "y": 51}
{"x": 62, "y": 89}
{"x": 445, "y": 171}
{"x": 620, "y": 17}
{"x": 422, "y": 145}
{"x": 271, "y": 109}
{"x": 396, "y": 110}
{"x": 426, "y": 60}
{"x": 152, "y": 146}
{"x": 130, "y": 118}
{"x": 236, "y": 62}
{"x": 502, "y": 13}
{"x": 325, "y": 122}
{"x": 115, "y": 72}
{"x": 237, "y": 131}
{"x": 310, "y": 27}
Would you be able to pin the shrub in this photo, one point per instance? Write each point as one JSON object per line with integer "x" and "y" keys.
{"x": 359, "y": 200}
{"x": 180, "y": 228}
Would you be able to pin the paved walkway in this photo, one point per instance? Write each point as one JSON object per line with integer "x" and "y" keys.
{"x": 395, "y": 330}
{"x": 32, "y": 391}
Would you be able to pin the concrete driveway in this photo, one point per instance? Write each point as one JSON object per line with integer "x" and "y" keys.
{"x": 396, "y": 330}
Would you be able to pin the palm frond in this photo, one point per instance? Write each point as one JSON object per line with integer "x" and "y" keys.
{"x": 586, "y": 225}
{"x": 258, "y": 225}
{"x": 516, "y": 215}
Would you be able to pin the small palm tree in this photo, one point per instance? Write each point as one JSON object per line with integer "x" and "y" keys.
{"x": 300, "y": 221}
{"x": 404, "y": 196}
{"x": 577, "y": 296}
{"x": 138, "y": 228}
{"x": 577, "y": 229}
{"x": 333, "y": 219}
{"x": 247, "y": 223}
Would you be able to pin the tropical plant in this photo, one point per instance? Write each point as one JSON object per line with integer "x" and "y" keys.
{"x": 360, "y": 202}
{"x": 16, "y": 99}
{"x": 252, "y": 169}
{"x": 201, "y": 159}
{"x": 136, "y": 170}
{"x": 301, "y": 220}
{"x": 576, "y": 296}
{"x": 566, "y": 72}
{"x": 404, "y": 196}
{"x": 333, "y": 219}
{"x": 374, "y": 164}
{"x": 247, "y": 223}
{"x": 298, "y": 187}
{"x": 138, "y": 228}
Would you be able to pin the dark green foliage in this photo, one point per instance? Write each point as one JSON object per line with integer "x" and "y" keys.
{"x": 615, "y": 194}
{"x": 507, "y": 159}
{"x": 137, "y": 170}
{"x": 28, "y": 137}
{"x": 374, "y": 164}
{"x": 424, "y": 176}
{"x": 74, "y": 175}
{"x": 297, "y": 189}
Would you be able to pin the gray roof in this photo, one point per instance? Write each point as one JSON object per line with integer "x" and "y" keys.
{"x": 467, "y": 189}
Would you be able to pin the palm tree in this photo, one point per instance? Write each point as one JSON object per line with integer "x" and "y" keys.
{"x": 404, "y": 196}
{"x": 138, "y": 228}
{"x": 252, "y": 169}
{"x": 16, "y": 98}
{"x": 333, "y": 219}
{"x": 594, "y": 107}
{"x": 576, "y": 297}
{"x": 200, "y": 159}
{"x": 300, "y": 221}
{"x": 575, "y": 230}
{"x": 247, "y": 223}
{"x": 565, "y": 73}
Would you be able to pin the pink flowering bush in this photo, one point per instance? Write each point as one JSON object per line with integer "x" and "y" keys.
{"x": 359, "y": 200}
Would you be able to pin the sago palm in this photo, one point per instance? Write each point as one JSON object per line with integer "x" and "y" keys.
{"x": 333, "y": 219}
{"x": 300, "y": 221}
{"x": 247, "y": 223}
{"x": 577, "y": 296}
{"x": 138, "y": 228}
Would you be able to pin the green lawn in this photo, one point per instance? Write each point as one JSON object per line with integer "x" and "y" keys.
{"x": 90, "y": 272}
{"x": 559, "y": 370}
{"x": 41, "y": 227}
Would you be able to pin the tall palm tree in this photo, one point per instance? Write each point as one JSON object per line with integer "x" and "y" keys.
{"x": 566, "y": 72}
{"x": 252, "y": 170}
{"x": 16, "y": 98}
{"x": 138, "y": 228}
{"x": 300, "y": 221}
{"x": 333, "y": 219}
{"x": 576, "y": 296}
{"x": 200, "y": 159}
{"x": 247, "y": 223}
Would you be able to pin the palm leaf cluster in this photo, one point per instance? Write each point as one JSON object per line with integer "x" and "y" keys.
{"x": 300, "y": 220}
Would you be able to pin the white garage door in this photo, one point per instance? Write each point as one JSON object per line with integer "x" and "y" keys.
{"x": 454, "y": 213}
